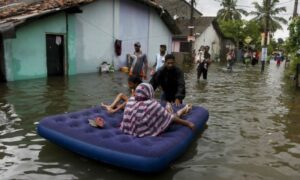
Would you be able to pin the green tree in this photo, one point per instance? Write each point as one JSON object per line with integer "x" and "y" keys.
{"x": 252, "y": 30}
{"x": 229, "y": 11}
{"x": 293, "y": 40}
{"x": 270, "y": 11}
{"x": 240, "y": 29}
{"x": 292, "y": 44}
{"x": 233, "y": 29}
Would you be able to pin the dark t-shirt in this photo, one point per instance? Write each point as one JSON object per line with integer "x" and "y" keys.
{"x": 171, "y": 82}
{"x": 138, "y": 64}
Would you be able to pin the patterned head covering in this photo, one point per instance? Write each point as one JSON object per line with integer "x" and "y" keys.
{"x": 143, "y": 115}
{"x": 144, "y": 92}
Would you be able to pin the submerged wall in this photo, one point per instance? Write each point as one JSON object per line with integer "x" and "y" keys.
{"x": 25, "y": 56}
{"x": 89, "y": 38}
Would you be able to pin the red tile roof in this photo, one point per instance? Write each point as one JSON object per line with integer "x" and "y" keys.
{"x": 17, "y": 13}
{"x": 14, "y": 9}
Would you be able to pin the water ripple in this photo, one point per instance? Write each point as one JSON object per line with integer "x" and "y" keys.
{"x": 253, "y": 130}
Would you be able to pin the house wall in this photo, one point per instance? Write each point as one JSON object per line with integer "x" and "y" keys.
{"x": 71, "y": 45}
{"x": 126, "y": 20}
{"x": 158, "y": 34}
{"x": 209, "y": 38}
{"x": 134, "y": 26}
{"x": 25, "y": 56}
{"x": 89, "y": 38}
{"x": 94, "y": 36}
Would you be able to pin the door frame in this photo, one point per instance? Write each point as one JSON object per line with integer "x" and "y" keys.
{"x": 2, "y": 60}
{"x": 65, "y": 58}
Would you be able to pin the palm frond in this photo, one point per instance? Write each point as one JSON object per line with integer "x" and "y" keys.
{"x": 278, "y": 10}
{"x": 272, "y": 11}
{"x": 242, "y": 11}
{"x": 280, "y": 19}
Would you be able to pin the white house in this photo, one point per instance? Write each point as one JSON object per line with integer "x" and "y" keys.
{"x": 206, "y": 32}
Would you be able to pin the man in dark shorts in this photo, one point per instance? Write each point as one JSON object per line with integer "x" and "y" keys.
{"x": 171, "y": 79}
{"x": 139, "y": 65}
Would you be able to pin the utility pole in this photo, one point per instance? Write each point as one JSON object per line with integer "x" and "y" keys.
{"x": 295, "y": 8}
{"x": 191, "y": 27}
{"x": 266, "y": 35}
{"x": 295, "y": 14}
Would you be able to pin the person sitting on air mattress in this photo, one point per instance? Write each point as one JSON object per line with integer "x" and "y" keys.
{"x": 144, "y": 116}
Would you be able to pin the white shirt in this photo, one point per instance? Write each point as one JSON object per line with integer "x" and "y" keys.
{"x": 160, "y": 60}
{"x": 200, "y": 57}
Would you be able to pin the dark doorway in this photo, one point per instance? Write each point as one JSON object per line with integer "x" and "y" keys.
{"x": 2, "y": 63}
{"x": 55, "y": 55}
{"x": 184, "y": 47}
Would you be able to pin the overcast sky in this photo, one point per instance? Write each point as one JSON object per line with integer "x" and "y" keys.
{"x": 211, "y": 7}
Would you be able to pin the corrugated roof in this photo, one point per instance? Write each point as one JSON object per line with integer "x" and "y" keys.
{"x": 175, "y": 7}
{"x": 200, "y": 25}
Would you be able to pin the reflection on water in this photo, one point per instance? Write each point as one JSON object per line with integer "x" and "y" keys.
{"x": 253, "y": 128}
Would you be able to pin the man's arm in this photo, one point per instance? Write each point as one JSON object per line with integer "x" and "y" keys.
{"x": 180, "y": 94}
{"x": 154, "y": 65}
{"x": 155, "y": 80}
{"x": 145, "y": 66}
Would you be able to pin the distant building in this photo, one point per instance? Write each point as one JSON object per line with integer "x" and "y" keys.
{"x": 206, "y": 30}
{"x": 179, "y": 9}
{"x": 67, "y": 37}
{"x": 207, "y": 33}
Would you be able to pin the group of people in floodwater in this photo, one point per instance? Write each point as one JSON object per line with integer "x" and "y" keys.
{"x": 146, "y": 116}
{"x": 143, "y": 114}
{"x": 247, "y": 56}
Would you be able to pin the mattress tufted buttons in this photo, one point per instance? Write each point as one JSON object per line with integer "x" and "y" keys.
{"x": 74, "y": 125}
{"x": 168, "y": 135}
{"x": 74, "y": 116}
{"x": 106, "y": 135}
{"x": 155, "y": 139}
{"x": 87, "y": 113}
{"x": 60, "y": 119}
{"x": 97, "y": 110}
{"x": 114, "y": 124}
{"x": 118, "y": 132}
{"x": 145, "y": 142}
{"x": 89, "y": 130}
{"x": 124, "y": 139}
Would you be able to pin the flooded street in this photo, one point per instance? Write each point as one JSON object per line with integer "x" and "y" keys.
{"x": 253, "y": 130}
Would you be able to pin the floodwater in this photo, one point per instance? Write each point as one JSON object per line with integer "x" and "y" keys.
{"x": 253, "y": 130}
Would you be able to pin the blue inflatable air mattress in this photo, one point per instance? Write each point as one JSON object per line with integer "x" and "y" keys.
{"x": 110, "y": 145}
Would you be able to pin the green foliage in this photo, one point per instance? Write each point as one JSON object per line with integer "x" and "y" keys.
{"x": 293, "y": 44}
{"x": 230, "y": 11}
{"x": 270, "y": 11}
{"x": 231, "y": 24}
{"x": 240, "y": 29}
{"x": 232, "y": 29}
{"x": 252, "y": 30}
{"x": 294, "y": 41}
{"x": 272, "y": 46}
{"x": 293, "y": 64}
